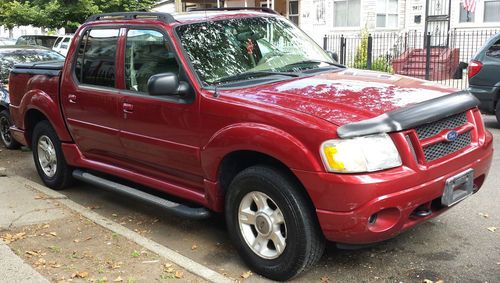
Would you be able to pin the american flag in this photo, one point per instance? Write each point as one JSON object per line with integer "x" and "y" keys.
{"x": 470, "y": 5}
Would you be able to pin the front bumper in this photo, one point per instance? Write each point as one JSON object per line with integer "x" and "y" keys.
{"x": 345, "y": 203}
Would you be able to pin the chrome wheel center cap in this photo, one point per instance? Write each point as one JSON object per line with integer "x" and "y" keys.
{"x": 263, "y": 224}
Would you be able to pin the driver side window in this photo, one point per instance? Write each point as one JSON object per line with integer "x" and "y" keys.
{"x": 147, "y": 53}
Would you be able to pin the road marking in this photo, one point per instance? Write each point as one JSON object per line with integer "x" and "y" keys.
{"x": 171, "y": 255}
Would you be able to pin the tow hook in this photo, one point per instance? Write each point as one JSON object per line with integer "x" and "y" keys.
{"x": 422, "y": 211}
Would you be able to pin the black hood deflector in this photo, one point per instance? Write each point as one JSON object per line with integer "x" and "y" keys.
{"x": 411, "y": 116}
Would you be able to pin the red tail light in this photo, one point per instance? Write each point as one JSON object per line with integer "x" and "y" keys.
{"x": 474, "y": 68}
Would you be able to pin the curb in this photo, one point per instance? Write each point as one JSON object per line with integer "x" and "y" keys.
{"x": 171, "y": 255}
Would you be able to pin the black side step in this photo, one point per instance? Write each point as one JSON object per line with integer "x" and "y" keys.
{"x": 173, "y": 207}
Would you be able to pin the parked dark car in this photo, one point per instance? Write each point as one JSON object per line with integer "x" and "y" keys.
{"x": 9, "y": 56}
{"x": 38, "y": 40}
{"x": 484, "y": 76}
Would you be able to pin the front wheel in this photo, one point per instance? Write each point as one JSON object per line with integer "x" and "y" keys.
{"x": 48, "y": 156}
{"x": 5, "y": 135}
{"x": 272, "y": 223}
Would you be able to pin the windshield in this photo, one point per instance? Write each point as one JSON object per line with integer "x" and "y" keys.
{"x": 228, "y": 48}
{"x": 8, "y": 58}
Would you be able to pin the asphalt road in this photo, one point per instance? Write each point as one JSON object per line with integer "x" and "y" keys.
{"x": 454, "y": 247}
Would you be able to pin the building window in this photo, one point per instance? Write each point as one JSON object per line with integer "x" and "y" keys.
{"x": 347, "y": 13}
{"x": 387, "y": 13}
{"x": 320, "y": 11}
{"x": 465, "y": 17}
{"x": 492, "y": 11}
{"x": 293, "y": 11}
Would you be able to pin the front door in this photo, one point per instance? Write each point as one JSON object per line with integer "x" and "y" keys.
{"x": 159, "y": 134}
{"x": 90, "y": 98}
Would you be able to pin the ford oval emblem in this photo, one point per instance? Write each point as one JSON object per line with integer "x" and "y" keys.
{"x": 451, "y": 136}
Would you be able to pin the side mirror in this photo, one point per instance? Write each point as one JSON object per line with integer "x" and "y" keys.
{"x": 334, "y": 55}
{"x": 167, "y": 84}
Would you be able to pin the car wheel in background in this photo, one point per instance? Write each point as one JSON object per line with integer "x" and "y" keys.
{"x": 5, "y": 135}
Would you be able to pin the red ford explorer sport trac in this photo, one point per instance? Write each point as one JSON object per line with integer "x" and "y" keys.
{"x": 237, "y": 111}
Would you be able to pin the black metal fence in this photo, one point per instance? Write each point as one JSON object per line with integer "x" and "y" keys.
{"x": 438, "y": 57}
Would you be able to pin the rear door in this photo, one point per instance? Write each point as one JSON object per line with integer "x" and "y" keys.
{"x": 159, "y": 134}
{"x": 90, "y": 97}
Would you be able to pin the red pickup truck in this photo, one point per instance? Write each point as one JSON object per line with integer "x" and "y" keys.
{"x": 239, "y": 112}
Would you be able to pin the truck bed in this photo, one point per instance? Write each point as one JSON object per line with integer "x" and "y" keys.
{"x": 49, "y": 68}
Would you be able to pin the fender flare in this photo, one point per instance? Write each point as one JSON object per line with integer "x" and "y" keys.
{"x": 261, "y": 138}
{"x": 45, "y": 104}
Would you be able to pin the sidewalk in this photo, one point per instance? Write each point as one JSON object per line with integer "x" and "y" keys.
{"x": 61, "y": 241}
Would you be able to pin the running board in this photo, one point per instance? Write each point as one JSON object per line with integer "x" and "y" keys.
{"x": 173, "y": 207}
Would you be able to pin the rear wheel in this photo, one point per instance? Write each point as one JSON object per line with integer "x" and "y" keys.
{"x": 5, "y": 135}
{"x": 272, "y": 223}
{"x": 48, "y": 157}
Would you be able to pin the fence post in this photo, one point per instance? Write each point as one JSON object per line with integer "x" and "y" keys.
{"x": 427, "y": 56}
{"x": 325, "y": 42}
{"x": 369, "y": 52}
{"x": 342, "y": 49}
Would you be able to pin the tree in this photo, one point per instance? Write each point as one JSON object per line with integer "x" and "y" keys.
{"x": 62, "y": 13}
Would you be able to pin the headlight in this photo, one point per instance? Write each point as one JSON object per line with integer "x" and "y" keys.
{"x": 361, "y": 154}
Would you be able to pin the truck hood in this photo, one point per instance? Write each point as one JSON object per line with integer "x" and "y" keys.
{"x": 345, "y": 96}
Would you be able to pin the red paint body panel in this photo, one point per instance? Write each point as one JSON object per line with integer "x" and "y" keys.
{"x": 178, "y": 148}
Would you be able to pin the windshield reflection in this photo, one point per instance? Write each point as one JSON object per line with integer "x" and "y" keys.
{"x": 227, "y": 48}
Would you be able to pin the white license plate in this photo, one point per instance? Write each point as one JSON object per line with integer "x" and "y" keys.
{"x": 458, "y": 187}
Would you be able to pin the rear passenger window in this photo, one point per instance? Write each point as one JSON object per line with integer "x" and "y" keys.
{"x": 95, "y": 61}
{"x": 494, "y": 50}
{"x": 147, "y": 53}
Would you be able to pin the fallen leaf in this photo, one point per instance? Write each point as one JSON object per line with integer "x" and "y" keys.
{"x": 32, "y": 253}
{"x": 76, "y": 240}
{"x": 492, "y": 229}
{"x": 325, "y": 279}
{"x": 246, "y": 274}
{"x": 167, "y": 265}
{"x": 440, "y": 281}
{"x": 45, "y": 226}
{"x": 39, "y": 197}
{"x": 170, "y": 270}
{"x": 194, "y": 247}
{"x": 82, "y": 274}
{"x": 118, "y": 279}
{"x": 485, "y": 215}
{"x": 179, "y": 274}
{"x": 53, "y": 234}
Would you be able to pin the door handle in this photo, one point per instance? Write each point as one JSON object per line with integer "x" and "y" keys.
{"x": 72, "y": 98}
{"x": 128, "y": 108}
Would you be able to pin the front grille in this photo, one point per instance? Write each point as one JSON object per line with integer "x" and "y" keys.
{"x": 443, "y": 148}
{"x": 432, "y": 129}
{"x": 440, "y": 149}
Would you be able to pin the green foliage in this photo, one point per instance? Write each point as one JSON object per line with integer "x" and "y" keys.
{"x": 62, "y": 13}
{"x": 380, "y": 63}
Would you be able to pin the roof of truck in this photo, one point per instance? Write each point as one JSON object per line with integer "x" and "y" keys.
{"x": 185, "y": 17}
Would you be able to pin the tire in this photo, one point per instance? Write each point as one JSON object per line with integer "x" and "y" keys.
{"x": 303, "y": 241}
{"x": 55, "y": 177}
{"x": 5, "y": 123}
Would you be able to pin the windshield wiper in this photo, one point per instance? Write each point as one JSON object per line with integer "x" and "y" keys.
{"x": 255, "y": 74}
{"x": 306, "y": 62}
